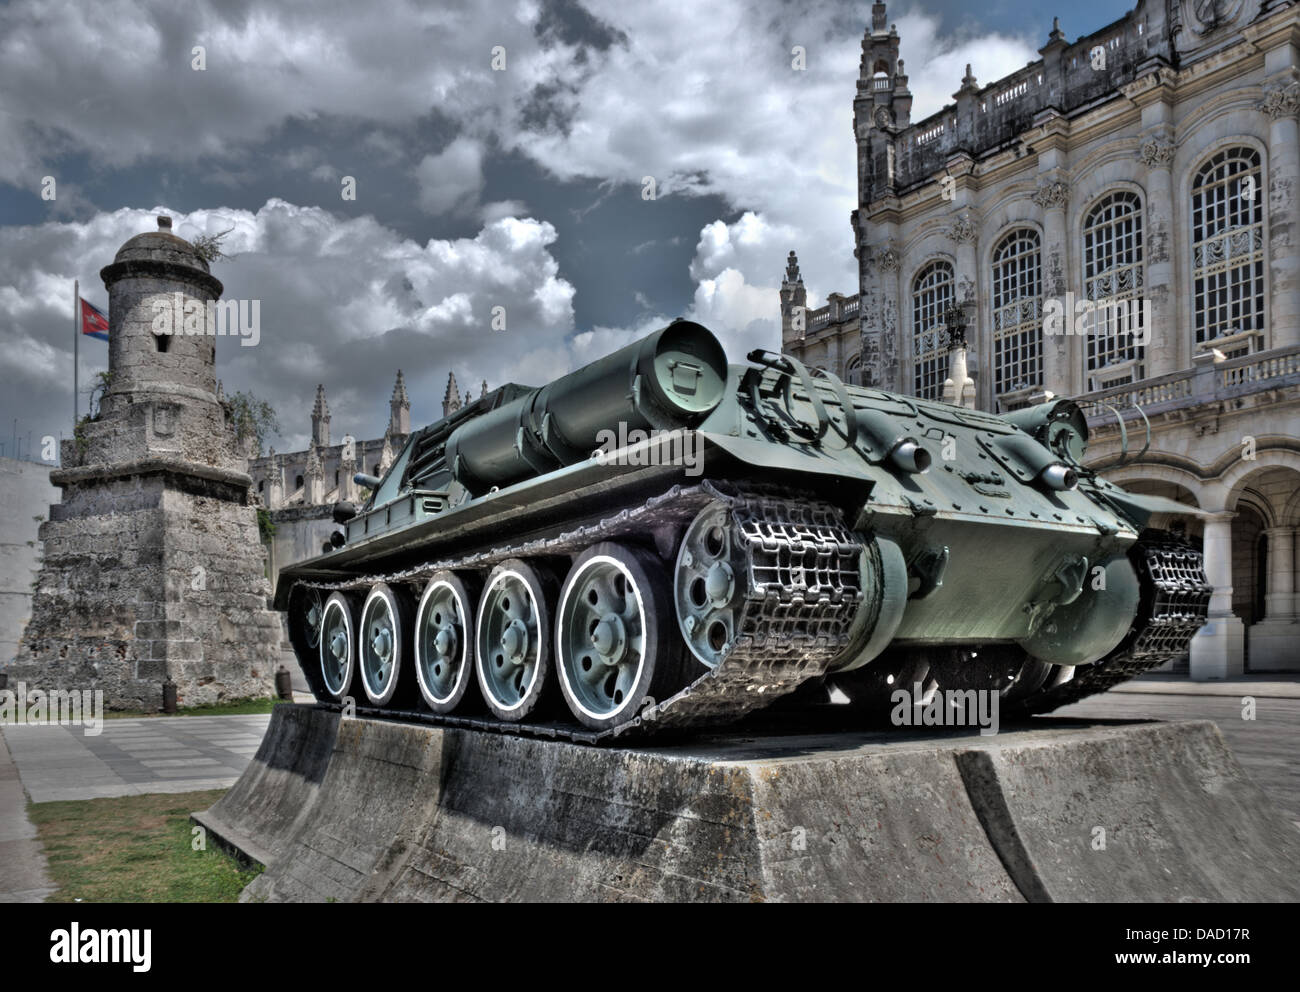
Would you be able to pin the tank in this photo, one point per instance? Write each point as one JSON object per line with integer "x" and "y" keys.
{"x": 663, "y": 539}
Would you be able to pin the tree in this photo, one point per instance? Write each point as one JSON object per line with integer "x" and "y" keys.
{"x": 97, "y": 393}
{"x": 251, "y": 417}
{"x": 208, "y": 246}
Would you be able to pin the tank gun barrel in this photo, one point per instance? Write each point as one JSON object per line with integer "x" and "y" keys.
{"x": 669, "y": 380}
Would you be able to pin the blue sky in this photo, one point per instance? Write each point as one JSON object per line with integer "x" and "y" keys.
{"x": 521, "y": 187}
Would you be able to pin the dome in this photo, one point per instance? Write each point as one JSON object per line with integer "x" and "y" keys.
{"x": 162, "y": 255}
{"x": 161, "y": 246}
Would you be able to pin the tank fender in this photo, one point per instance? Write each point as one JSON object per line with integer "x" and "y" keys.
{"x": 1140, "y": 507}
{"x": 882, "y": 610}
{"x": 1092, "y": 623}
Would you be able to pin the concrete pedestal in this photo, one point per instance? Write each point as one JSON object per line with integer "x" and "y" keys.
{"x": 370, "y": 810}
{"x": 1275, "y": 646}
{"x": 1219, "y": 649}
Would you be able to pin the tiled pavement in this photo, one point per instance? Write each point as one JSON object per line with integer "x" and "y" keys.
{"x": 23, "y": 877}
{"x": 131, "y": 757}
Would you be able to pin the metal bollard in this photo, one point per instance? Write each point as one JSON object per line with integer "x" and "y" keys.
{"x": 284, "y": 683}
{"x": 169, "y": 697}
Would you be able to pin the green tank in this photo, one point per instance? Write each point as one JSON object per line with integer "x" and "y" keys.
{"x": 663, "y": 539}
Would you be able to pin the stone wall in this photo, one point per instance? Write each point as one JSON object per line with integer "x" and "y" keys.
{"x": 147, "y": 577}
{"x": 25, "y": 494}
{"x": 300, "y": 532}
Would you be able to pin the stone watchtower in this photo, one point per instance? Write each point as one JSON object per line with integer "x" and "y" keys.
{"x": 153, "y": 568}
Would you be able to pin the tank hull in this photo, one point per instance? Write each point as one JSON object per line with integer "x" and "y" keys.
{"x": 804, "y": 531}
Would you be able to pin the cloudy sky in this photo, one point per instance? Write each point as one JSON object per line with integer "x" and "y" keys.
{"x": 520, "y": 187}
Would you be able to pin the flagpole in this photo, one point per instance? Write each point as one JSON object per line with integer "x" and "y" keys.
{"x": 76, "y": 344}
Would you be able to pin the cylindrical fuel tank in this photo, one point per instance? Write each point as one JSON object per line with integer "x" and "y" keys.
{"x": 671, "y": 379}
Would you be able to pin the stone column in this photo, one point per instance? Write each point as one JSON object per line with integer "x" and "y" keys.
{"x": 1281, "y": 103}
{"x": 1279, "y": 599}
{"x": 275, "y": 485}
{"x": 347, "y": 469}
{"x": 958, "y": 388}
{"x": 314, "y": 487}
{"x": 1274, "y": 642}
{"x": 1218, "y": 650}
{"x": 1059, "y": 374}
{"x": 834, "y": 344}
{"x": 1165, "y": 345}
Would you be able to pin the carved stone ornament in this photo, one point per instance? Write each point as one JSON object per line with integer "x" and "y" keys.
{"x": 1282, "y": 101}
{"x": 1053, "y": 194}
{"x": 884, "y": 118}
{"x": 1206, "y": 15}
{"x": 885, "y": 258}
{"x": 164, "y": 419}
{"x": 1156, "y": 153}
{"x": 963, "y": 230}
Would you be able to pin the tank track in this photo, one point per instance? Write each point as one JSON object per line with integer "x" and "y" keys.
{"x": 1175, "y": 603}
{"x": 789, "y": 630}
{"x": 789, "y": 639}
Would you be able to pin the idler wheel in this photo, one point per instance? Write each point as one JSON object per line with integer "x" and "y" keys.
{"x": 613, "y": 638}
{"x": 312, "y": 609}
{"x": 337, "y": 646}
{"x": 512, "y": 639}
{"x": 709, "y": 584}
{"x": 444, "y": 642}
{"x": 383, "y": 643}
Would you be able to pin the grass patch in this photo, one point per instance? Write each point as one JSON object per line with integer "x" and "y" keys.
{"x": 135, "y": 849}
{"x": 238, "y": 708}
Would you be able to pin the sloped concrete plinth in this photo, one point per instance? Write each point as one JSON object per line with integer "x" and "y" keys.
{"x": 260, "y": 814}
{"x": 417, "y": 813}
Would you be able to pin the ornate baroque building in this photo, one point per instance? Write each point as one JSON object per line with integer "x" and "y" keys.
{"x": 1117, "y": 222}
{"x": 300, "y": 488}
{"x": 321, "y": 474}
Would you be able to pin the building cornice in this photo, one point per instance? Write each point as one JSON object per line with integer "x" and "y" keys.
{"x": 1281, "y": 27}
{"x": 149, "y": 466}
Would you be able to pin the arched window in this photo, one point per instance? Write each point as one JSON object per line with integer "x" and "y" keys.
{"x": 931, "y": 298}
{"x": 853, "y": 370}
{"x": 1228, "y": 249}
{"x": 297, "y": 482}
{"x": 1113, "y": 280}
{"x": 1017, "y": 312}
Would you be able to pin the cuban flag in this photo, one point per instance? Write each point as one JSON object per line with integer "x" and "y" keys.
{"x": 93, "y": 321}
